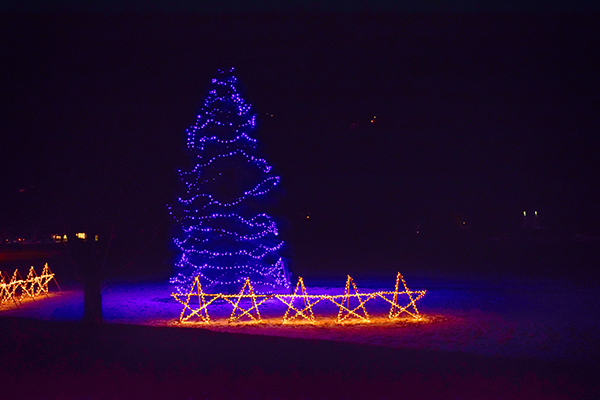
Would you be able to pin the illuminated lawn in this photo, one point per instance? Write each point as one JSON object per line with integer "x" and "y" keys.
{"x": 548, "y": 320}
{"x": 475, "y": 338}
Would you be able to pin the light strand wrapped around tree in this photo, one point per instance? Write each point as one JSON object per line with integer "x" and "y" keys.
{"x": 223, "y": 235}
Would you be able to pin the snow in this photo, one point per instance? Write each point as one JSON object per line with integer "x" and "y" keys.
{"x": 492, "y": 316}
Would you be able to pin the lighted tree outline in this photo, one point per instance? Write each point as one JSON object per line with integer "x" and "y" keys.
{"x": 222, "y": 235}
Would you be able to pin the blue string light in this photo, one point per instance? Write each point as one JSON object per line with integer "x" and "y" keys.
{"x": 219, "y": 238}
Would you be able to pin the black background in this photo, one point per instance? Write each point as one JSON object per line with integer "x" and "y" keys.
{"x": 479, "y": 116}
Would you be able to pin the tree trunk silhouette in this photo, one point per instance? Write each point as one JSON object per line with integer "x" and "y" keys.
{"x": 89, "y": 256}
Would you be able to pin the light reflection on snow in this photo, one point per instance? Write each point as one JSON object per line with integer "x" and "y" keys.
{"x": 511, "y": 317}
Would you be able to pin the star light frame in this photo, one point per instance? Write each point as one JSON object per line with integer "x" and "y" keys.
{"x": 307, "y": 303}
{"x": 251, "y": 295}
{"x": 201, "y": 311}
{"x": 345, "y": 312}
{"x": 17, "y": 288}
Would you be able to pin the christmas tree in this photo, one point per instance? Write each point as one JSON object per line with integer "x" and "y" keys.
{"x": 223, "y": 235}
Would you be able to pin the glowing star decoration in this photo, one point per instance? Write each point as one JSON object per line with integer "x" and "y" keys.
{"x": 15, "y": 286}
{"x": 202, "y": 310}
{"x": 293, "y": 312}
{"x": 221, "y": 236}
{"x": 32, "y": 286}
{"x": 396, "y": 310}
{"x": 345, "y": 312}
{"x": 248, "y": 311}
{"x": 44, "y": 280}
{"x": 306, "y": 300}
{"x": 7, "y": 291}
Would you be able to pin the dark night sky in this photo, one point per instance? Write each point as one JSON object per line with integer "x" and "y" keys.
{"x": 479, "y": 115}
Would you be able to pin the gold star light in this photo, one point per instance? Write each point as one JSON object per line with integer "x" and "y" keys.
{"x": 7, "y": 290}
{"x": 44, "y": 279}
{"x": 307, "y": 303}
{"x": 251, "y": 295}
{"x": 16, "y": 282}
{"x": 345, "y": 311}
{"x": 202, "y": 310}
{"x": 32, "y": 286}
{"x": 396, "y": 310}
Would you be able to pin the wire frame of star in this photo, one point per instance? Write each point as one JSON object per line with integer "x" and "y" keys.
{"x": 300, "y": 304}
{"x": 16, "y": 288}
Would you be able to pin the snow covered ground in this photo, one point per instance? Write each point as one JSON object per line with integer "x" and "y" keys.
{"x": 493, "y": 316}
{"x": 498, "y": 337}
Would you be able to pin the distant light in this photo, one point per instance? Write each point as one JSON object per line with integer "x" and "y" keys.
{"x": 80, "y": 235}
{"x": 536, "y": 213}
{"x": 96, "y": 238}
{"x": 524, "y": 213}
{"x": 463, "y": 222}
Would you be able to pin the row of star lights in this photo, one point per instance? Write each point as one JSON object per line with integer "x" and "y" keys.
{"x": 32, "y": 286}
{"x": 196, "y": 221}
{"x": 309, "y": 301}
